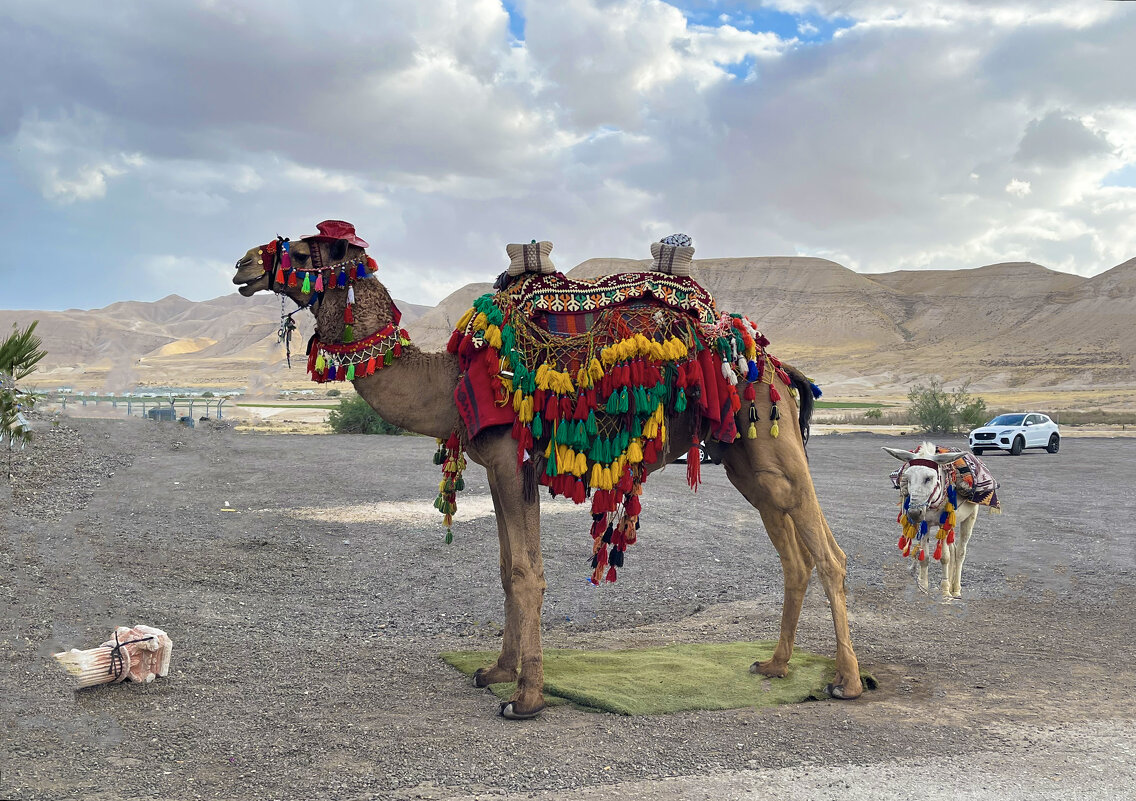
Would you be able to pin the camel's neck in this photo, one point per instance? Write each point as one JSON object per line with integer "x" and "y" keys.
{"x": 416, "y": 391}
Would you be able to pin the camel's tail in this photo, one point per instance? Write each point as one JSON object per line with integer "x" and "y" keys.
{"x": 807, "y": 400}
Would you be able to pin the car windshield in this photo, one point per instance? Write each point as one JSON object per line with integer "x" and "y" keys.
{"x": 1007, "y": 420}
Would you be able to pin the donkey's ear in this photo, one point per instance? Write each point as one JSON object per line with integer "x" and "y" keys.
{"x": 901, "y": 454}
{"x": 947, "y": 458}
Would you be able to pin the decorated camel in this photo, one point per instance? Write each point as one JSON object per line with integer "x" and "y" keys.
{"x": 946, "y": 488}
{"x": 585, "y": 388}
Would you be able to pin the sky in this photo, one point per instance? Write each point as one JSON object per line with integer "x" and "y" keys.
{"x": 144, "y": 147}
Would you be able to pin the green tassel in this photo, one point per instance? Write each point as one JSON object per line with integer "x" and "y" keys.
{"x": 613, "y": 403}
{"x": 680, "y": 402}
{"x": 636, "y": 427}
{"x": 449, "y": 537}
{"x": 388, "y": 359}
{"x": 348, "y": 333}
{"x": 624, "y": 441}
{"x": 623, "y": 401}
{"x": 351, "y": 372}
{"x": 641, "y": 402}
{"x": 550, "y": 468}
{"x": 537, "y": 428}
{"x": 459, "y": 485}
{"x": 508, "y": 339}
{"x": 582, "y": 438}
{"x": 307, "y": 288}
{"x": 562, "y": 433}
{"x": 591, "y": 427}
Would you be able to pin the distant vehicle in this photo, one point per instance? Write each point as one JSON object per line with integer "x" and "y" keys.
{"x": 1015, "y": 433}
{"x": 702, "y": 450}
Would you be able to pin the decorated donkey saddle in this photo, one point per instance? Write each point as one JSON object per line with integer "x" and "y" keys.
{"x": 588, "y": 373}
{"x": 970, "y": 477}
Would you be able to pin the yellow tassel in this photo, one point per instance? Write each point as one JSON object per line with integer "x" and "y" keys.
{"x": 465, "y": 318}
{"x": 634, "y": 452}
{"x": 582, "y": 379}
{"x": 605, "y": 482}
{"x": 774, "y": 430}
{"x": 581, "y": 465}
{"x": 642, "y": 345}
{"x": 658, "y": 415}
{"x": 493, "y": 336}
{"x": 480, "y": 321}
{"x": 657, "y": 352}
{"x": 442, "y": 485}
{"x": 595, "y": 370}
{"x": 518, "y": 399}
{"x": 650, "y": 428}
{"x": 548, "y": 447}
{"x": 597, "y": 476}
{"x": 542, "y": 376}
{"x": 608, "y": 355}
{"x": 752, "y": 433}
{"x": 951, "y": 521}
{"x": 527, "y": 410}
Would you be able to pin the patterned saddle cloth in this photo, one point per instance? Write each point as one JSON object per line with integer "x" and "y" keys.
{"x": 546, "y": 296}
{"x": 971, "y": 477}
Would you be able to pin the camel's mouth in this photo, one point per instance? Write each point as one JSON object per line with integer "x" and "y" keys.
{"x": 251, "y": 277}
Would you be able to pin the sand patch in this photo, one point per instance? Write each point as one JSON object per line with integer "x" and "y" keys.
{"x": 469, "y": 508}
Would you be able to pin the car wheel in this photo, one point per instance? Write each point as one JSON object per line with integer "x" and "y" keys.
{"x": 1016, "y": 448}
{"x": 1054, "y": 443}
{"x": 977, "y": 451}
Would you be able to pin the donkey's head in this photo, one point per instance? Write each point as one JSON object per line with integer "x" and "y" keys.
{"x": 921, "y": 480}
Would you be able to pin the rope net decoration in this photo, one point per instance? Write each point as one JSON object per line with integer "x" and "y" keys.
{"x": 592, "y": 372}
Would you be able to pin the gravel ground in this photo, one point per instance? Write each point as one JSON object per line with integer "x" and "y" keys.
{"x": 305, "y": 661}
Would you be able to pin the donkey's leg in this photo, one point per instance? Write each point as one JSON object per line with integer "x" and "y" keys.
{"x": 965, "y": 529}
{"x": 788, "y": 505}
{"x": 526, "y": 579}
{"x": 505, "y": 668}
{"x": 923, "y": 567}
{"x": 947, "y": 563}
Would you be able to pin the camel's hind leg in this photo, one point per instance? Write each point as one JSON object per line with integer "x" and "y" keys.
{"x": 774, "y": 477}
{"x": 505, "y": 668}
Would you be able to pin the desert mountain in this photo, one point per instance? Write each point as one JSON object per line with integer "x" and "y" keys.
{"x": 1003, "y": 325}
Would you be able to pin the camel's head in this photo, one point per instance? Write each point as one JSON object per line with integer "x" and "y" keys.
{"x": 920, "y": 480}
{"x": 335, "y": 247}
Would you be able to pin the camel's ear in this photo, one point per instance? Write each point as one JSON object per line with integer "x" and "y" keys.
{"x": 531, "y": 258}
{"x": 901, "y": 454}
{"x": 947, "y": 458}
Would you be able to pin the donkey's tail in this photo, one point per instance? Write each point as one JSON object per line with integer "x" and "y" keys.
{"x": 807, "y": 393}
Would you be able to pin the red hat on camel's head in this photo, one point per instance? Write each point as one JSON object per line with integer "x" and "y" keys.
{"x": 337, "y": 229}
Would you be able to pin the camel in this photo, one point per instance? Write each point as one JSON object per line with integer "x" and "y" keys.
{"x": 927, "y": 484}
{"x": 416, "y": 391}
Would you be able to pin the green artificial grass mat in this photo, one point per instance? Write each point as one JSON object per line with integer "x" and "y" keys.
{"x": 672, "y": 678}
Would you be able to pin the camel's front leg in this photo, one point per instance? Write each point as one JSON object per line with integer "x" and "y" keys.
{"x": 526, "y": 581}
{"x": 796, "y": 568}
{"x": 504, "y": 670}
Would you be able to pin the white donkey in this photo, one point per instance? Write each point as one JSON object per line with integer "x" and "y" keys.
{"x": 927, "y": 485}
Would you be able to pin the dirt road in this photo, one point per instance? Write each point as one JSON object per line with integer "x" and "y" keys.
{"x": 308, "y": 590}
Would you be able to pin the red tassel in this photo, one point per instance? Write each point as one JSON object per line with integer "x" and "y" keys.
{"x": 371, "y": 265}
{"x": 902, "y": 542}
{"x": 566, "y": 409}
{"x": 599, "y": 503}
{"x": 397, "y": 349}
{"x": 579, "y": 493}
{"x": 348, "y": 315}
{"x": 650, "y": 452}
{"x": 455, "y": 341}
{"x": 694, "y": 467}
{"x": 784, "y": 377}
{"x": 581, "y": 412}
{"x": 774, "y": 395}
{"x": 951, "y": 537}
{"x": 538, "y": 401}
{"x": 922, "y": 554}
{"x": 750, "y": 393}
{"x": 292, "y": 281}
{"x": 611, "y": 575}
{"x": 371, "y": 366}
{"x": 280, "y": 275}
{"x": 626, "y": 482}
{"x": 633, "y": 506}
{"x": 939, "y": 551}
{"x": 680, "y": 378}
{"x": 735, "y": 401}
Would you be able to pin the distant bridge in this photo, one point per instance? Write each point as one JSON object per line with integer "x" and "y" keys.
{"x": 133, "y": 405}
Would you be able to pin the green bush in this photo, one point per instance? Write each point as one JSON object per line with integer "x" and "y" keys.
{"x": 355, "y": 416}
{"x": 937, "y": 411}
{"x": 333, "y": 393}
{"x": 20, "y": 352}
{"x": 874, "y": 413}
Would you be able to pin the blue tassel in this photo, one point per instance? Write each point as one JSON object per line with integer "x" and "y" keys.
{"x": 952, "y": 495}
{"x": 331, "y": 372}
{"x": 942, "y": 518}
{"x": 341, "y": 279}
{"x": 752, "y": 375}
{"x": 360, "y": 270}
{"x": 906, "y": 502}
{"x": 922, "y": 530}
{"x": 815, "y": 390}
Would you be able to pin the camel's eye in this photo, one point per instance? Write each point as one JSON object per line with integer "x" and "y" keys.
{"x": 301, "y": 257}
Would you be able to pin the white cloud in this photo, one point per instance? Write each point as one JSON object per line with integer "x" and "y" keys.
{"x": 1018, "y": 188}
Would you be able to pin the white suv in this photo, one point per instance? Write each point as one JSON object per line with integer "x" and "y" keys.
{"x": 1015, "y": 433}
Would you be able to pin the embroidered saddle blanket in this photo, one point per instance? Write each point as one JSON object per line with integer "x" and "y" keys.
{"x": 972, "y": 480}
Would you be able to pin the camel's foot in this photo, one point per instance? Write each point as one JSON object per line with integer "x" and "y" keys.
{"x": 771, "y": 668}
{"x": 956, "y": 592}
{"x": 845, "y": 689}
{"x": 520, "y": 707}
{"x": 494, "y": 674}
